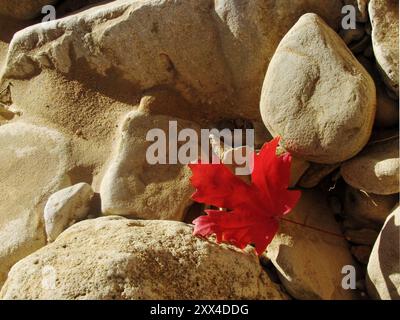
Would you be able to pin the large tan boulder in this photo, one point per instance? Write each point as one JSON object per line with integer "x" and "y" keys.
{"x": 118, "y": 258}
{"x": 383, "y": 271}
{"x": 214, "y": 52}
{"x": 384, "y": 16}
{"x": 23, "y": 9}
{"x": 133, "y": 184}
{"x": 310, "y": 261}
{"x": 316, "y": 95}
{"x": 375, "y": 169}
{"x": 33, "y": 165}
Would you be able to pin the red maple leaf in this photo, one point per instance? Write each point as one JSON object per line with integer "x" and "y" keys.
{"x": 254, "y": 209}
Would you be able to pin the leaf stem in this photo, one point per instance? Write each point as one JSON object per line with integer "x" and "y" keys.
{"x": 313, "y": 228}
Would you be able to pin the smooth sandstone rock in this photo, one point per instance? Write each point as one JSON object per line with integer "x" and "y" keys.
{"x": 384, "y": 16}
{"x": 117, "y": 258}
{"x": 375, "y": 169}
{"x": 133, "y": 186}
{"x": 316, "y": 94}
{"x": 23, "y": 9}
{"x": 383, "y": 270}
{"x": 310, "y": 262}
{"x": 215, "y": 52}
{"x": 65, "y": 207}
{"x": 368, "y": 206}
{"x": 33, "y": 165}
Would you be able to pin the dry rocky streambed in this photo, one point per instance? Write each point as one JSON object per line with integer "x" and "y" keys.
{"x": 83, "y": 215}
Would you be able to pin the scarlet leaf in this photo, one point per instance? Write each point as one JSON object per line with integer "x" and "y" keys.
{"x": 254, "y": 209}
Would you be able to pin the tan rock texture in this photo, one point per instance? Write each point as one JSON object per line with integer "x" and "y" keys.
{"x": 375, "y": 169}
{"x": 384, "y": 16}
{"x": 117, "y": 258}
{"x": 383, "y": 271}
{"x": 309, "y": 262}
{"x": 214, "y": 52}
{"x": 65, "y": 207}
{"x": 134, "y": 186}
{"x": 368, "y": 206}
{"x": 33, "y": 165}
{"x": 316, "y": 94}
